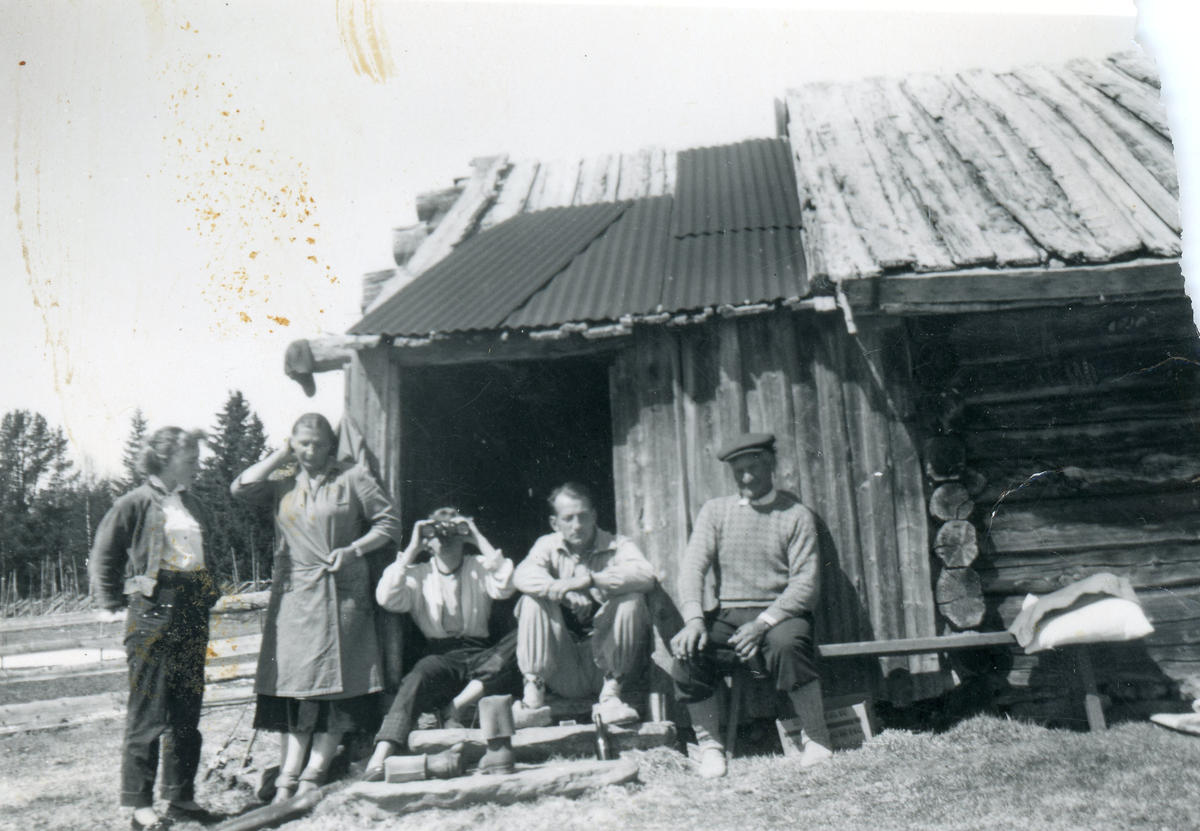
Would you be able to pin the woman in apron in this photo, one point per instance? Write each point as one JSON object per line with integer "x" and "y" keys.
{"x": 319, "y": 672}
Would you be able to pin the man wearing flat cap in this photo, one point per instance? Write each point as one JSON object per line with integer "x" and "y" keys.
{"x": 761, "y": 546}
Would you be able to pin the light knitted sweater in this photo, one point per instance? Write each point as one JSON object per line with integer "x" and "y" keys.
{"x": 762, "y": 556}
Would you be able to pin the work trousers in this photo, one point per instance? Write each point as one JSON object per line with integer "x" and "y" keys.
{"x": 439, "y": 677}
{"x": 165, "y": 645}
{"x": 788, "y": 655}
{"x": 573, "y": 665}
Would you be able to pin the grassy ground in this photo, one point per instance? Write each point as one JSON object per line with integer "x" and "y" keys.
{"x": 984, "y": 773}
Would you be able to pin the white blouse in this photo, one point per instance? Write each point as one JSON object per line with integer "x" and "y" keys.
{"x": 185, "y": 538}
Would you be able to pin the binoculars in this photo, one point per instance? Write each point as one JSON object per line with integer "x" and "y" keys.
{"x": 445, "y": 528}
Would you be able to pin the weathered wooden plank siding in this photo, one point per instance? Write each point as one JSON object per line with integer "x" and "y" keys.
{"x": 1083, "y": 424}
{"x": 678, "y": 395}
{"x": 373, "y": 404}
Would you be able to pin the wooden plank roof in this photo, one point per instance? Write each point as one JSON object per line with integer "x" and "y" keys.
{"x": 930, "y": 174}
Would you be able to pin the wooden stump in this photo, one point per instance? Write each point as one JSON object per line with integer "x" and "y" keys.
{"x": 537, "y": 744}
{"x": 944, "y": 458}
{"x": 975, "y": 482}
{"x": 956, "y": 544}
{"x": 568, "y": 779}
{"x": 951, "y": 501}
{"x": 960, "y": 597}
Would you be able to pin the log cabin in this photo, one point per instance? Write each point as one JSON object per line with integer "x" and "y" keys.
{"x": 956, "y": 300}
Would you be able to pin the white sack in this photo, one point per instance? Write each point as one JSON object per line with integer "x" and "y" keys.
{"x": 1112, "y": 619}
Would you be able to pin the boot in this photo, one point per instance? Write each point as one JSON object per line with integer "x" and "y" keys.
{"x": 496, "y": 724}
{"x": 814, "y": 734}
{"x": 612, "y": 709}
{"x": 706, "y": 721}
{"x": 445, "y": 765}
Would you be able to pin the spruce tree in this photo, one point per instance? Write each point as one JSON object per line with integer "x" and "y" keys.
{"x": 241, "y": 534}
{"x": 36, "y": 497}
{"x": 133, "y": 448}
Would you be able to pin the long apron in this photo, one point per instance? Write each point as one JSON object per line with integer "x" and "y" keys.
{"x": 319, "y": 637}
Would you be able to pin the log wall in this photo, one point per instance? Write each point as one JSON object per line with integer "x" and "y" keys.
{"x": 1080, "y": 427}
{"x": 841, "y": 410}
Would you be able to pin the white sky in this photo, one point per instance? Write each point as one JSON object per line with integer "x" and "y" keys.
{"x": 152, "y": 241}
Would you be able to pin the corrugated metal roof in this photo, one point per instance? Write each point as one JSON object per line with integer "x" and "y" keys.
{"x": 620, "y": 272}
{"x": 600, "y": 262}
{"x": 735, "y": 267}
{"x": 743, "y": 186}
{"x": 490, "y": 274}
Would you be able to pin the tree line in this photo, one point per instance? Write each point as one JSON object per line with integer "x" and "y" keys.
{"x": 50, "y": 506}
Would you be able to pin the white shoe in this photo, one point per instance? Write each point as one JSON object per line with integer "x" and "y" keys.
{"x": 815, "y": 754}
{"x": 615, "y": 711}
{"x": 524, "y": 717}
{"x": 712, "y": 763}
{"x": 611, "y": 689}
{"x": 611, "y": 709}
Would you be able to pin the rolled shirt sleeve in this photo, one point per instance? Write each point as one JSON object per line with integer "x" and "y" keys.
{"x": 499, "y": 576}
{"x": 698, "y": 558}
{"x": 398, "y": 590}
{"x": 627, "y": 571}
{"x": 535, "y": 573}
{"x": 376, "y": 507}
{"x": 254, "y": 493}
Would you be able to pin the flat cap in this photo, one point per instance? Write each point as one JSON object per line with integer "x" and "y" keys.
{"x": 747, "y": 443}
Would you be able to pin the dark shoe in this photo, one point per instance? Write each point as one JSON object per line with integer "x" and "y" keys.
{"x": 445, "y": 765}
{"x": 161, "y": 824}
{"x": 266, "y": 783}
{"x": 200, "y": 815}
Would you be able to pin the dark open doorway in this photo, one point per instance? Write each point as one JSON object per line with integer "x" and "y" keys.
{"x": 493, "y": 439}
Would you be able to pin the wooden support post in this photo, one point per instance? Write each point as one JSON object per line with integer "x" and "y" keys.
{"x": 737, "y": 682}
{"x": 1091, "y": 695}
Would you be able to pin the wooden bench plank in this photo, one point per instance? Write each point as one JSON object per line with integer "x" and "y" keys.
{"x": 915, "y": 646}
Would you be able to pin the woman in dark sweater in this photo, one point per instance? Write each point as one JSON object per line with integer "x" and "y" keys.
{"x": 150, "y": 558}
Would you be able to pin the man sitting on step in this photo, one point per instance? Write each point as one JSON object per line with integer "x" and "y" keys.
{"x": 762, "y": 547}
{"x": 583, "y": 625}
{"x": 450, "y": 598}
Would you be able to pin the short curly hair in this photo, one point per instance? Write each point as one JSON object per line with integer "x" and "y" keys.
{"x": 164, "y": 443}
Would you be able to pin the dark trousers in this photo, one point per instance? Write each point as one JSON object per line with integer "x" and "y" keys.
{"x": 788, "y": 655}
{"x": 165, "y": 644}
{"x": 439, "y": 677}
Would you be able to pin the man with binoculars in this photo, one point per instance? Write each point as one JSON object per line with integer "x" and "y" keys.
{"x": 450, "y": 598}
